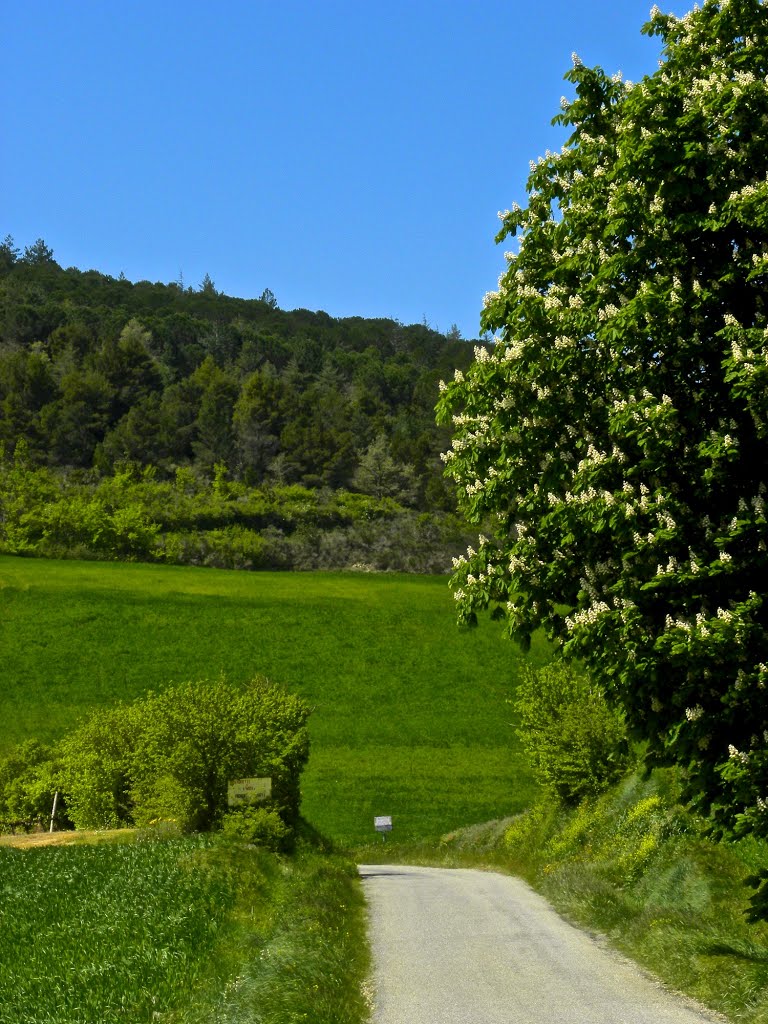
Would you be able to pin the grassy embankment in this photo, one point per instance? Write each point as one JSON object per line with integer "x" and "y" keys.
{"x": 410, "y": 720}
{"x": 634, "y": 866}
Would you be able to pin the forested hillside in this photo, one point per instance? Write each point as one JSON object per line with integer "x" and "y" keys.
{"x": 172, "y": 385}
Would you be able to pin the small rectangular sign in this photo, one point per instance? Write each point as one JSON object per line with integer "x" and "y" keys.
{"x": 383, "y": 824}
{"x": 248, "y": 791}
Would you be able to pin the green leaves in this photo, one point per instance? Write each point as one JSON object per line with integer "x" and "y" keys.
{"x": 575, "y": 741}
{"x": 171, "y": 755}
{"x": 617, "y": 431}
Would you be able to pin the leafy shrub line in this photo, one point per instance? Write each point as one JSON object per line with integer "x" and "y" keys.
{"x": 575, "y": 740}
{"x": 168, "y": 757}
{"x": 195, "y": 521}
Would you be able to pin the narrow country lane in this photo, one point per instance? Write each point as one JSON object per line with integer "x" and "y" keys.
{"x": 474, "y": 947}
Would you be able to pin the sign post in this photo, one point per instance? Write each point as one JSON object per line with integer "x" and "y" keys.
{"x": 383, "y": 824}
{"x": 241, "y": 792}
{"x": 53, "y": 809}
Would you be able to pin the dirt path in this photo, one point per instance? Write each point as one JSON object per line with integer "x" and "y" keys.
{"x": 24, "y": 841}
{"x": 475, "y": 947}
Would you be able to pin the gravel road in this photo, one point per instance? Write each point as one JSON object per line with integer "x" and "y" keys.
{"x": 475, "y": 947}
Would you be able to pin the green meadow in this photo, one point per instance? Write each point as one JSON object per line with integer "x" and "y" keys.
{"x": 410, "y": 712}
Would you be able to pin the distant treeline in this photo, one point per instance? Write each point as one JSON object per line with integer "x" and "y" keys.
{"x": 154, "y": 421}
{"x": 133, "y": 515}
{"x": 97, "y": 372}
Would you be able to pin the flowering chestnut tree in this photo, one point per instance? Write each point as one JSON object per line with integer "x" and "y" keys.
{"x": 615, "y": 435}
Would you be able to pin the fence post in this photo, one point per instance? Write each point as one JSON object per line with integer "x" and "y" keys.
{"x": 53, "y": 809}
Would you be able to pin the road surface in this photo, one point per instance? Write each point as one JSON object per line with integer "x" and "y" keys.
{"x": 455, "y": 946}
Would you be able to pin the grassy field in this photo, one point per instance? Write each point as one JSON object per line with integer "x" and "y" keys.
{"x": 410, "y": 715}
{"x": 410, "y": 719}
{"x": 180, "y": 930}
{"x": 106, "y": 930}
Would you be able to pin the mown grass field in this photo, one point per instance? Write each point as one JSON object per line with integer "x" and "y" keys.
{"x": 410, "y": 715}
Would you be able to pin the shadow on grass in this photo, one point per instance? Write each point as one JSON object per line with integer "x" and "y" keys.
{"x": 740, "y": 950}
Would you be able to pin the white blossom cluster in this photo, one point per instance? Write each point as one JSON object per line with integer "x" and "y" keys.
{"x": 574, "y": 432}
{"x": 737, "y": 755}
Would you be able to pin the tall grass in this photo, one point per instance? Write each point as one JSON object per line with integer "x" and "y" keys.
{"x": 410, "y": 715}
{"x": 106, "y": 932}
{"x": 305, "y": 958}
{"x": 182, "y": 931}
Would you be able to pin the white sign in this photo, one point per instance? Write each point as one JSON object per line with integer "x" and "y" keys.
{"x": 383, "y": 824}
{"x": 248, "y": 791}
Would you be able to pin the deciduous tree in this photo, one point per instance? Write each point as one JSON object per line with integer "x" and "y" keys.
{"x": 616, "y": 435}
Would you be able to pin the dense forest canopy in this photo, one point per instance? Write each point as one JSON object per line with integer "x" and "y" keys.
{"x": 97, "y": 372}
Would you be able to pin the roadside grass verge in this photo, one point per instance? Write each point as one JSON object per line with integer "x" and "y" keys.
{"x": 636, "y": 867}
{"x": 305, "y": 959}
{"x": 181, "y": 931}
{"x": 410, "y": 715}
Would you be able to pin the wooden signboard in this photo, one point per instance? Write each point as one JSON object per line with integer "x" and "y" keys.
{"x": 248, "y": 791}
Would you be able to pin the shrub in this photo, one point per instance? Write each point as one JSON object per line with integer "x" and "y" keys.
{"x": 261, "y": 826}
{"x": 172, "y": 755}
{"x": 27, "y": 787}
{"x": 576, "y": 742}
{"x": 80, "y": 520}
{"x": 167, "y": 798}
{"x": 231, "y": 547}
{"x": 96, "y": 768}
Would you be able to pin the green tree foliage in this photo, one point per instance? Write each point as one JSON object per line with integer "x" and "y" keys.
{"x": 207, "y": 287}
{"x": 95, "y": 768}
{"x": 575, "y": 741}
{"x": 172, "y": 755}
{"x": 27, "y": 787}
{"x": 141, "y": 436}
{"x": 260, "y": 415}
{"x": 27, "y": 386}
{"x": 215, "y": 440}
{"x": 38, "y": 254}
{"x": 9, "y": 254}
{"x": 24, "y": 491}
{"x": 95, "y": 370}
{"x": 86, "y": 522}
{"x": 616, "y": 435}
{"x": 77, "y": 421}
{"x": 378, "y": 474}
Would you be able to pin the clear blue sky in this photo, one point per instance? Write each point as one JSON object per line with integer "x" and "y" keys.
{"x": 350, "y": 156}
